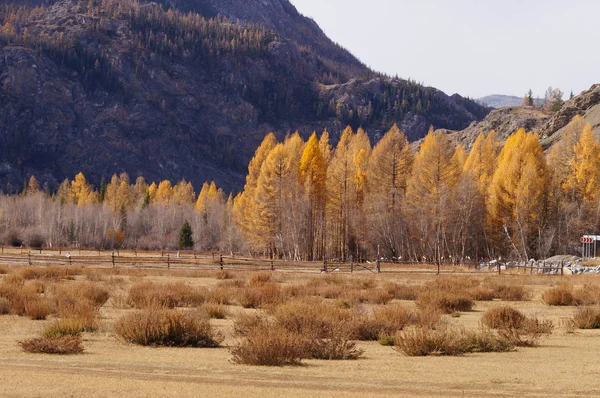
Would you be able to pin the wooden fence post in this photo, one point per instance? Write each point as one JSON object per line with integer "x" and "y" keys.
{"x": 168, "y": 260}
{"x": 562, "y": 268}
{"x": 221, "y": 261}
{"x": 70, "y": 260}
{"x": 378, "y": 266}
{"x": 113, "y": 259}
{"x": 325, "y": 266}
{"x": 29, "y": 257}
{"x": 438, "y": 267}
{"x": 272, "y": 266}
{"x": 499, "y": 268}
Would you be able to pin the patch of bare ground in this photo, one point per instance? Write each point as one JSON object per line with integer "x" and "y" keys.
{"x": 563, "y": 364}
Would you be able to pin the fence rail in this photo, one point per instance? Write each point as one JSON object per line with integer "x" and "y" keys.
{"x": 213, "y": 261}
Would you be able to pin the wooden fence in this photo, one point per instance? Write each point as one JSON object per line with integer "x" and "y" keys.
{"x": 213, "y": 261}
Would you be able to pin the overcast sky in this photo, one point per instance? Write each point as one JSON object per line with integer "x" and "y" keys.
{"x": 470, "y": 47}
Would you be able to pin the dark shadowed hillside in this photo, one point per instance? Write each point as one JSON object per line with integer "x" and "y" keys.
{"x": 183, "y": 89}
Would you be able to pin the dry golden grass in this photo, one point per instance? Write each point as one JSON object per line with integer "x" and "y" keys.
{"x": 58, "y": 344}
{"x": 161, "y": 327}
{"x": 4, "y": 306}
{"x": 503, "y": 317}
{"x": 561, "y": 295}
{"x": 587, "y": 318}
{"x": 260, "y": 295}
{"x": 215, "y": 311}
{"x": 55, "y": 274}
{"x": 149, "y": 294}
{"x": 64, "y": 327}
{"x": 449, "y": 342}
{"x": 447, "y": 302}
{"x": 88, "y": 291}
{"x": 80, "y": 311}
{"x": 312, "y": 318}
{"x": 39, "y": 308}
{"x": 382, "y": 322}
{"x": 269, "y": 345}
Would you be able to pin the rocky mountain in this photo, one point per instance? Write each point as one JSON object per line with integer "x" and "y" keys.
{"x": 183, "y": 88}
{"x": 549, "y": 125}
{"x": 499, "y": 101}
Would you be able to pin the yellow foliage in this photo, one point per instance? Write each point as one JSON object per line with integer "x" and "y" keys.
{"x": 164, "y": 193}
{"x": 583, "y": 180}
{"x": 81, "y": 191}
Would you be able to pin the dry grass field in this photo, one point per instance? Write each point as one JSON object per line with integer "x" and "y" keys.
{"x": 268, "y": 317}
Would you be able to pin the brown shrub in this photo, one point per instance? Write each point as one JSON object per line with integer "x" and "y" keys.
{"x": 383, "y": 321}
{"x": 458, "y": 285}
{"x": 588, "y": 295}
{"x": 529, "y": 333}
{"x": 34, "y": 287}
{"x": 224, "y": 275}
{"x": 221, "y": 295}
{"x": 91, "y": 292}
{"x": 4, "y": 306}
{"x": 487, "y": 341}
{"x": 260, "y": 279}
{"x": 62, "y": 345}
{"x": 215, "y": 311}
{"x": 81, "y": 311}
{"x": 511, "y": 292}
{"x": 13, "y": 280}
{"x": 447, "y": 302}
{"x": 587, "y": 318}
{"x": 424, "y": 342}
{"x": 561, "y": 295}
{"x": 3, "y": 270}
{"x": 428, "y": 318}
{"x": 161, "y": 327}
{"x": 503, "y": 317}
{"x": 260, "y": 297}
{"x": 245, "y": 323}
{"x": 149, "y": 294}
{"x": 336, "y": 348}
{"x": 38, "y": 308}
{"x": 311, "y": 318}
{"x": 378, "y": 296}
{"x": 65, "y": 327}
{"x": 449, "y": 341}
{"x": 55, "y": 274}
{"x": 403, "y": 292}
{"x": 269, "y": 345}
{"x": 482, "y": 294}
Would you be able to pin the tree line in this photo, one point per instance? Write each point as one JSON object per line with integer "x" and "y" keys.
{"x": 307, "y": 200}
{"x": 310, "y": 201}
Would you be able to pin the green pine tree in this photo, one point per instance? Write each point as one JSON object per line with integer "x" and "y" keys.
{"x": 186, "y": 240}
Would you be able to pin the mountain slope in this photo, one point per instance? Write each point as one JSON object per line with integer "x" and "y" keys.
{"x": 121, "y": 86}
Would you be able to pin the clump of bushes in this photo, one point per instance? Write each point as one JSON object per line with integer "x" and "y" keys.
{"x": 56, "y": 344}
{"x": 149, "y": 294}
{"x": 382, "y": 322}
{"x": 514, "y": 326}
{"x": 269, "y": 345}
{"x": 66, "y": 327}
{"x": 587, "y": 318}
{"x": 503, "y": 317}
{"x": 163, "y": 327}
{"x": 447, "y": 302}
{"x": 561, "y": 295}
{"x": 448, "y": 342}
